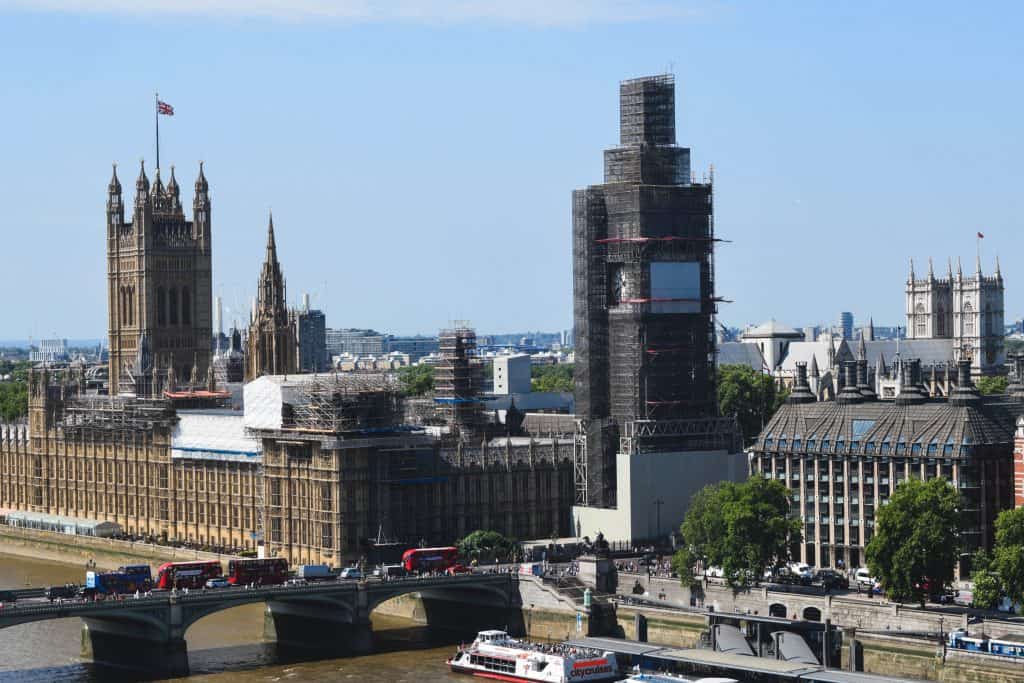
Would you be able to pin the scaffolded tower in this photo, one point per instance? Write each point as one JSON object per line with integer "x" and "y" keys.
{"x": 458, "y": 379}
{"x": 644, "y": 304}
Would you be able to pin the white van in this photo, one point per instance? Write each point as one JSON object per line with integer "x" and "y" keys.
{"x": 864, "y": 578}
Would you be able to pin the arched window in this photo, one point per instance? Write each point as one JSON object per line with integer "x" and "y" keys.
{"x": 186, "y": 307}
{"x": 940, "y": 322}
{"x": 161, "y": 306}
{"x": 131, "y": 305}
{"x": 921, "y": 322}
{"x": 172, "y": 302}
{"x": 969, "y": 323}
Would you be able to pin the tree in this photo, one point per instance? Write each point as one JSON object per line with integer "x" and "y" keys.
{"x": 750, "y": 396}
{"x": 916, "y": 539}
{"x": 992, "y": 385}
{"x": 416, "y": 380}
{"x": 742, "y": 528}
{"x": 13, "y": 400}
{"x": 1008, "y": 556}
{"x": 485, "y": 545}
{"x": 987, "y": 585}
{"x": 556, "y": 377}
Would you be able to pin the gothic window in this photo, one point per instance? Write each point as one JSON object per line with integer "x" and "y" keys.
{"x": 921, "y": 322}
{"x": 161, "y": 306}
{"x": 172, "y": 301}
{"x": 131, "y": 305}
{"x": 969, "y": 319}
{"x": 186, "y": 307}
{"x": 940, "y": 323}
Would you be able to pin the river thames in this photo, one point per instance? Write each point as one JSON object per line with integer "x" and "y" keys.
{"x": 224, "y": 647}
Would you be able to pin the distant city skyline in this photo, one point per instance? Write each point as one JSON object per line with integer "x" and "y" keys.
{"x": 420, "y": 165}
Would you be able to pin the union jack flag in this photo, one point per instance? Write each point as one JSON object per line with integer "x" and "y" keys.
{"x": 164, "y": 108}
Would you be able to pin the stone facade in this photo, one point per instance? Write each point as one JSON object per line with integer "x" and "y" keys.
{"x": 159, "y": 285}
{"x": 968, "y": 310}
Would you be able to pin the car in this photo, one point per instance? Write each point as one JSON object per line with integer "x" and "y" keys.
{"x": 58, "y": 592}
{"x": 831, "y": 579}
{"x": 804, "y": 571}
{"x": 964, "y": 597}
{"x": 8, "y": 596}
{"x": 350, "y": 573}
{"x": 458, "y": 569}
{"x": 863, "y": 578}
{"x": 218, "y": 582}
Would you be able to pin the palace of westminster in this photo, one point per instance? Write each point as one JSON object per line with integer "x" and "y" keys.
{"x": 313, "y": 464}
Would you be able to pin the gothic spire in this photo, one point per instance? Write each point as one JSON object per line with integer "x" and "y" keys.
{"x": 142, "y": 184}
{"x": 871, "y": 329}
{"x": 158, "y": 186}
{"x": 172, "y": 184}
{"x": 999, "y": 274}
{"x": 271, "y": 246}
{"x": 978, "y": 265}
{"x": 115, "y": 184}
{"x": 201, "y": 185}
{"x": 880, "y": 368}
{"x": 959, "y": 268}
{"x": 911, "y": 270}
{"x": 814, "y": 372}
{"x": 931, "y": 270}
{"x": 949, "y": 266}
{"x": 862, "y": 349}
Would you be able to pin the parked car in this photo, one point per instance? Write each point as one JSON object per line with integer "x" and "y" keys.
{"x": 350, "y": 573}
{"x": 57, "y": 592}
{"x": 831, "y": 579}
{"x": 863, "y": 578}
{"x": 805, "y": 572}
{"x": 218, "y": 582}
{"x": 964, "y": 597}
{"x": 8, "y": 596}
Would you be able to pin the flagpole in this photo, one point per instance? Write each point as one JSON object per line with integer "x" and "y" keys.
{"x": 156, "y": 113}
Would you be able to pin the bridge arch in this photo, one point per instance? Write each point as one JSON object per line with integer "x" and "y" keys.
{"x": 777, "y": 609}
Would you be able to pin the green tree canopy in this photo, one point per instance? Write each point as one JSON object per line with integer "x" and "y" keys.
{"x": 1008, "y": 556}
{"x": 13, "y": 400}
{"x": 742, "y": 528}
{"x": 484, "y": 545}
{"x": 916, "y": 538}
{"x": 992, "y": 385}
{"x": 987, "y": 585}
{"x": 750, "y": 396}
{"x": 416, "y": 380}
{"x": 556, "y": 377}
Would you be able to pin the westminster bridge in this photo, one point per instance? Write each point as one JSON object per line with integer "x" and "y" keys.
{"x": 328, "y": 618}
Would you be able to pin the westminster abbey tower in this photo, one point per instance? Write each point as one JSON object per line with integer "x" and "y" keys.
{"x": 159, "y": 291}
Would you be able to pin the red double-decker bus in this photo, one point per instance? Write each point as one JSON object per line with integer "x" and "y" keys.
{"x": 269, "y": 571}
{"x": 186, "y": 574}
{"x": 429, "y": 559}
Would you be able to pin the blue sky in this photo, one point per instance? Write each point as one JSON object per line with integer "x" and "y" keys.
{"x": 419, "y": 157}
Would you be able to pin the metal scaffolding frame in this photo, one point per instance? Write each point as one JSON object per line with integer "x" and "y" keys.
{"x": 347, "y": 402}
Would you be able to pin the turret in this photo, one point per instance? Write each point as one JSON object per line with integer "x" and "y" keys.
{"x": 174, "y": 192}
{"x": 115, "y": 206}
{"x": 142, "y": 187}
{"x": 201, "y": 206}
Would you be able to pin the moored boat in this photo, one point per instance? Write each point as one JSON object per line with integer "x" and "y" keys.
{"x": 497, "y": 656}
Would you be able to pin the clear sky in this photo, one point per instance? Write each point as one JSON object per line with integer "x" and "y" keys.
{"x": 419, "y": 157}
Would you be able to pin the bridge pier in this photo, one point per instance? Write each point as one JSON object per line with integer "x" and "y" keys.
{"x": 304, "y": 628}
{"x": 122, "y": 649}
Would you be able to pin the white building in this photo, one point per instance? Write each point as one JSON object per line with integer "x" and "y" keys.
{"x": 512, "y": 374}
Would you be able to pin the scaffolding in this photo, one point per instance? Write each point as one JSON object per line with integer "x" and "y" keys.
{"x": 458, "y": 379}
{"x": 92, "y": 416}
{"x": 347, "y": 402}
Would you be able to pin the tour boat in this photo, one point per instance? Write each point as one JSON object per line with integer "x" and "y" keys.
{"x": 497, "y": 656}
{"x": 658, "y": 677}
